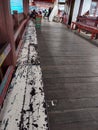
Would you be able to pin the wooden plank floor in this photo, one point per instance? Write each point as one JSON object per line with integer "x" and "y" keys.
{"x": 70, "y": 74}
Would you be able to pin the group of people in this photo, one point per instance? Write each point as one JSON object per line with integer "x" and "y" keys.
{"x": 35, "y": 14}
{"x": 44, "y": 13}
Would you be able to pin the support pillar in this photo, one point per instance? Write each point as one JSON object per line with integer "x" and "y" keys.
{"x": 80, "y": 8}
{"x": 26, "y": 7}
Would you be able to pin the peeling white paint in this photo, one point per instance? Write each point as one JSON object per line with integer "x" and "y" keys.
{"x": 25, "y": 104}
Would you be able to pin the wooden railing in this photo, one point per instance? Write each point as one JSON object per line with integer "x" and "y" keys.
{"x": 88, "y": 24}
{"x": 18, "y": 36}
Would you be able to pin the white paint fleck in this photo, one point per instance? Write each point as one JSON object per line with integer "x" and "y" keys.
{"x": 52, "y": 103}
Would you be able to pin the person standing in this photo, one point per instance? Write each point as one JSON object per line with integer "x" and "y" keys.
{"x": 49, "y": 12}
{"x": 33, "y": 15}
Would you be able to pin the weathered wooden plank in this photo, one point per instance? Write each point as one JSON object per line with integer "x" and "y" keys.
{"x": 69, "y": 65}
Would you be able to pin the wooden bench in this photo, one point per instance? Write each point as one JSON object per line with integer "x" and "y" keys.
{"x": 83, "y": 25}
{"x": 18, "y": 36}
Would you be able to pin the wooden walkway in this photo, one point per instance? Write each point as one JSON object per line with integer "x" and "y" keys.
{"x": 70, "y": 75}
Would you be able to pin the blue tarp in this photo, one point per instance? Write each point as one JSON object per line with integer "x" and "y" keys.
{"x": 16, "y": 5}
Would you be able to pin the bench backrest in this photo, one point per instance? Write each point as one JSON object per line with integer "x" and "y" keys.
{"x": 88, "y": 20}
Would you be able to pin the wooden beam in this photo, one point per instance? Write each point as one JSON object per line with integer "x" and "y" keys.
{"x": 26, "y": 7}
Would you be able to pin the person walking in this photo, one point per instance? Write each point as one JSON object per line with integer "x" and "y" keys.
{"x": 49, "y": 12}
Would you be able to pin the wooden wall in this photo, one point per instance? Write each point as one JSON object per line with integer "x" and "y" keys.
{"x": 8, "y": 38}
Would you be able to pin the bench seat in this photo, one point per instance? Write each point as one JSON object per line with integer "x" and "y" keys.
{"x": 82, "y": 26}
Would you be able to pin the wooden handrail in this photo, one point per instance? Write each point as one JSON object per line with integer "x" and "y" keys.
{"x": 19, "y": 29}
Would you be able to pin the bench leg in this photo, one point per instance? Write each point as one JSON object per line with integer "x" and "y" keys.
{"x": 93, "y": 35}
{"x": 72, "y": 26}
{"x": 79, "y": 30}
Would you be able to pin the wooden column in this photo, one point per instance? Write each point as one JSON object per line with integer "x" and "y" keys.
{"x": 9, "y": 35}
{"x": 72, "y": 2}
{"x": 15, "y": 15}
{"x": 3, "y": 34}
{"x": 80, "y": 8}
{"x": 26, "y": 7}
